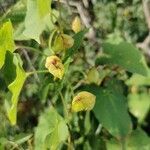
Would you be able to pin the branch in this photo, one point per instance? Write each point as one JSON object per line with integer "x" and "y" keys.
{"x": 30, "y": 63}
{"x": 146, "y": 9}
{"x": 145, "y": 45}
{"x": 84, "y": 15}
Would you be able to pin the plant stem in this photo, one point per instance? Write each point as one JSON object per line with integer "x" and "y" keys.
{"x": 38, "y": 71}
{"x": 59, "y": 5}
{"x": 31, "y": 48}
{"x": 123, "y": 144}
{"x": 64, "y": 105}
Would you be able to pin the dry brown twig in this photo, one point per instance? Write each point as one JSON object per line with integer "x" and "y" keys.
{"x": 85, "y": 16}
{"x": 145, "y": 45}
{"x": 30, "y": 63}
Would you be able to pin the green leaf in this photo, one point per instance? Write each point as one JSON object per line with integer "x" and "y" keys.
{"x": 138, "y": 140}
{"x": 51, "y": 130}
{"x": 138, "y": 80}
{"x": 15, "y": 88}
{"x": 37, "y": 18}
{"x": 124, "y": 55}
{"x": 6, "y": 41}
{"x": 139, "y": 105}
{"x": 16, "y": 13}
{"x": 78, "y": 39}
{"x": 113, "y": 145}
{"x": 8, "y": 67}
{"x": 44, "y": 7}
{"x": 114, "y": 38}
{"x": 3, "y": 143}
{"x": 22, "y": 138}
{"x": 111, "y": 111}
{"x": 18, "y": 34}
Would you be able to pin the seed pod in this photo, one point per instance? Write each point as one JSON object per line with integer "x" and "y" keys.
{"x": 93, "y": 76}
{"x": 68, "y": 41}
{"x": 58, "y": 44}
{"x": 76, "y": 24}
{"x": 83, "y": 101}
{"x": 55, "y": 66}
{"x": 62, "y": 42}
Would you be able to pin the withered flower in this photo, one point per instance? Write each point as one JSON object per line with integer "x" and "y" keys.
{"x": 83, "y": 101}
{"x": 55, "y": 66}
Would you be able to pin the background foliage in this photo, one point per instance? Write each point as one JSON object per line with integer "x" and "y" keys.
{"x": 110, "y": 58}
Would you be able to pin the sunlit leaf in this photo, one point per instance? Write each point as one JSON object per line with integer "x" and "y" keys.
{"x": 37, "y": 18}
{"x": 51, "y": 130}
{"x": 139, "y": 105}
{"x": 44, "y": 7}
{"x": 15, "y": 88}
{"x": 6, "y": 41}
{"x": 138, "y": 80}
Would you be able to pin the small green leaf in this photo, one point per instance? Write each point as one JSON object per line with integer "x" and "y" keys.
{"x": 78, "y": 38}
{"x": 3, "y": 143}
{"x": 43, "y": 7}
{"x": 93, "y": 76}
{"x": 139, "y": 105}
{"x": 18, "y": 34}
{"x": 37, "y": 18}
{"x": 15, "y": 88}
{"x": 113, "y": 145}
{"x": 51, "y": 130}
{"x": 138, "y": 140}
{"x": 110, "y": 110}
{"x": 22, "y": 138}
{"x": 6, "y": 41}
{"x": 138, "y": 80}
{"x": 124, "y": 55}
{"x": 8, "y": 67}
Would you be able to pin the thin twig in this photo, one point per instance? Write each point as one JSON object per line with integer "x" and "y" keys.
{"x": 64, "y": 105}
{"x": 145, "y": 45}
{"x": 146, "y": 9}
{"x": 30, "y": 63}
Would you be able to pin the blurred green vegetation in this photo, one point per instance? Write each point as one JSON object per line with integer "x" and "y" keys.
{"x": 113, "y": 21}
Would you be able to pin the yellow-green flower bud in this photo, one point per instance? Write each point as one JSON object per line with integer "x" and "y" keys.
{"x": 68, "y": 41}
{"x": 83, "y": 101}
{"x": 55, "y": 66}
{"x": 62, "y": 42}
{"x": 76, "y": 24}
{"x": 93, "y": 76}
{"x": 58, "y": 44}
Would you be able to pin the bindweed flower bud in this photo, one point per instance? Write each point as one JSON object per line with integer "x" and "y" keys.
{"x": 55, "y": 66}
{"x": 93, "y": 76}
{"x": 58, "y": 44}
{"x": 62, "y": 42}
{"x": 83, "y": 101}
{"x": 68, "y": 41}
{"x": 76, "y": 24}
